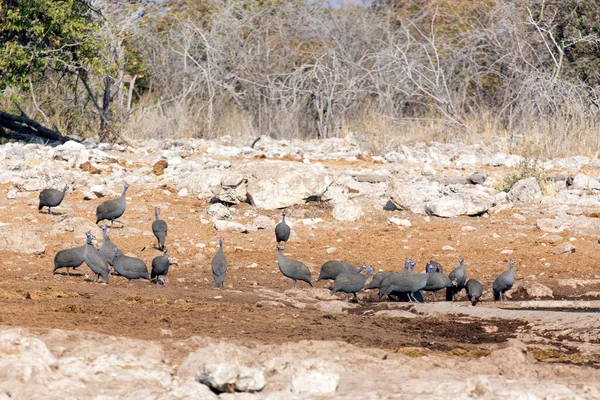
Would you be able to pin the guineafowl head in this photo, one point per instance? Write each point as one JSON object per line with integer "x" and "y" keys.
{"x": 116, "y": 251}
{"x": 370, "y": 270}
{"x": 156, "y": 211}
{"x": 221, "y": 240}
{"x": 362, "y": 268}
{"x": 279, "y": 248}
{"x": 89, "y": 237}
{"x": 454, "y": 282}
{"x": 165, "y": 252}
{"x": 461, "y": 261}
{"x": 126, "y": 187}
{"x": 412, "y": 265}
{"x": 283, "y": 214}
{"x": 406, "y": 264}
{"x": 437, "y": 269}
{"x": 511, "y": 263}
{"x": 428, "y": 268}
{"x": 65, "y": 189}
{"x": 103, "y": 228}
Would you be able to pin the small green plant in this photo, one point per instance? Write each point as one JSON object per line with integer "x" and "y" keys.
{"x": 527, "y": 168}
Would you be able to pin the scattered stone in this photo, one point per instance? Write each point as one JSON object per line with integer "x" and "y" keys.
{"x": 428, "y": 170}
{"x": 18, "y": 240}
{"x": 460, "y": 204}
{"x": 183, "y": 192}
{"x": 564, "y": 248}
{"x": 231, "y": 226}
{"x": 447, "y": 247}
{"x": 262, "y": 222}
{"x": 347, "y": 211}
{"x": 506, "y": 251}
{"x": 12, "y": 194}
{"x": 553, "y": 225}
{"x": 159, "y": 167}
{"x": 232, "y": 189}
{"x": 519, "y": 218}
{"x": 525, "y": 191}
{"x": 400, "y": 222}
{"x": 219, "y": 211}
{"x": 537, "y": 290}
{"x": 314, "y": 383}
{"x": 89, "y": 168}
{"x": 582, "y": 181}
{"x": 231, "y": 377}
{"x": 477, "y": 178}
{"x": 468, "y": 228}
{"x": 331, "y": 250}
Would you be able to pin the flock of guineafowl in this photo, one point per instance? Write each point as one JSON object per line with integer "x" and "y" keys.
{"x": 406, "y": 285}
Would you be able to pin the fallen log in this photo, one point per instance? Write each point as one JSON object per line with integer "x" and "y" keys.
{"x": 21, "y": 127}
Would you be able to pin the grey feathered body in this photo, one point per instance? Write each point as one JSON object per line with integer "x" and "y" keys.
{"x": 107, "y": 250}
{"x": 282, "y": 231}
{"x": 293, "y": 269}
{"x": 160, "y": 266}
{"x": 349, "y": 282}
{"x": 407, "y": 283}
{"x": 474, "y": 290}
{"x": 96, "y": 262}
{"x": 130, "y": 267}
{"x": 504, "y": 282}
{"x": 219, "y": 267}
{"x": 331, "y": 269}
{"x": 437, "y": 281}
{"x": 378, "y": 279}
{"x": 51, "y": 198}
{"x": 69, "y": 258}
{"x": 460, "y": 275}
{"x": 111, "y": 209}
{"x": 159, "y": 228}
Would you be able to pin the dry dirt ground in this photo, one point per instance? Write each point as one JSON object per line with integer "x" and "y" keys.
{"x": 257, "y": 304}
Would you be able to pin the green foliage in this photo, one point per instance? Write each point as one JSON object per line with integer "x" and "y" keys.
{"x": 527, "y": 168}
{"x": 39, "y": 34}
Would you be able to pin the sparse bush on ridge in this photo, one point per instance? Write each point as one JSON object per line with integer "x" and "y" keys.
{"x": 517, "y": 72}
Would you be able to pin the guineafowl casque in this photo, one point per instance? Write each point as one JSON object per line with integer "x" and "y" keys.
{"x": 51, "y": 198}
{"x": 160, "y": 268}
{"x": 351, "y": 282}
{"x": 293, "y": 269}
{"x": 474, "y": 290}
{"x": 107, "y": 250}
{"x": 282, "y": 231}
{"x": 458, "y": 274}
{"x": 219, "y": 266}
{"x": 130, "y": 267}
{"x": 112, "y": 209}
{"x": 436, "y": 281}
{"x": 94, "y": 260}
{"x": 159, "y": 228}
{"x": 332, "y": 268}
{"x": 504, "y": 282}
{"x": 69, "y": 258}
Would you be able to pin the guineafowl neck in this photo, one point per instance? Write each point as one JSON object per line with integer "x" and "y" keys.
{"x": 156, "y": 214}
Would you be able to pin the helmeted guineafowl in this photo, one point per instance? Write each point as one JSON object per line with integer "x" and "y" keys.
{"x": 436, "y": 281}
{"x": 474, "y": 290}
{"x": 351, "y": 282}
{"x": 219, "y": 266}
{"x": 292, "y": 269}
{"x": 159, "y": 228}
{"x": 282, "y": 230}
{"x": 94, "y": 260}
{"x": 407, "y": 283}
{"x": 112, "y": 209}
{"x": 504, "y": 282}
{"x": 69, "y": 258}
{"x": 436, "y": 266}
{"x": 51, "y": 198}
{"x": 377, "y": 279}
{"x": 107, "y": 250}
{"x": 458, "y": 274}
{"x": 160, "y": 267}
{"x": 331, "y": 269}
{"x": 130, "y": 267}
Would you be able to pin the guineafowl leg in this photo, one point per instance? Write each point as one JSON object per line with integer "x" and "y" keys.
{"x": 294, "y": 284}
{"x": 128, "y": 282}
{"x": 50, "y": 210}
{"x": 433, "y": 296}
{"x": 356, "y": 297}
{"x": 68, "y": 271}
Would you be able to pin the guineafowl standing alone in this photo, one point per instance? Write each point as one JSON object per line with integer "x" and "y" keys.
{"x": 331, "y": 269}
{"x": 219, "y": 266}
{"x": 293, "y": 269}
{"x": 130, "y": 267}
{"x": 474, "y": 290}
{"x": 351, "y": 282}
{"x": 504, "y": 282}
{"x": 69, "y": 258}
{"x": 112, "y": 209}
{"x": 159, "y": 228}
{"x": 107, "y": 250}
{"x": 282, "y": 230}
{"x": 51, "y": 198}
{"x": 94, "y": 260}
{"x": 458, "y": 274}
{"x": 160, "y": 268}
